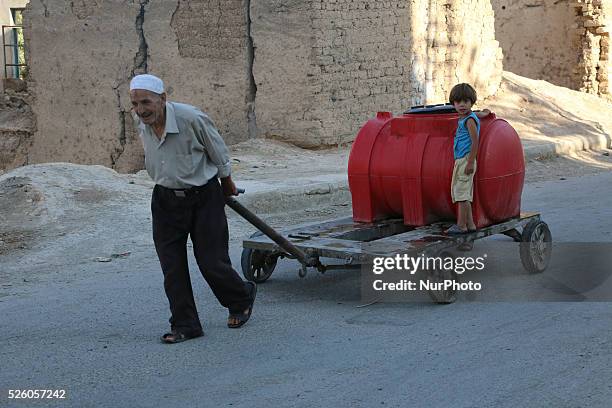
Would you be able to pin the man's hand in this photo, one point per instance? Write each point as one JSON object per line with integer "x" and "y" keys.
{"x": 229, "y": 188}
{"x": 469, "y": 168}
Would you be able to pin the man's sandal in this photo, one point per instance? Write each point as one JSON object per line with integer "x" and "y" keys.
{"x": 178, "y": 337}
{"x": 240, "y": 316}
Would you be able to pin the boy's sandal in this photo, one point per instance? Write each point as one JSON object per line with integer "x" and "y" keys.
{"x": 177, "y": 337}
{"x": 455, "y": 230}
{"x": 241, "y": 317}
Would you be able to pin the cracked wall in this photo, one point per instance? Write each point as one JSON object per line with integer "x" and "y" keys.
{"x": 200, "y": 49}
{"x": 79, "y": 68}
{"x": 84, "y": 52}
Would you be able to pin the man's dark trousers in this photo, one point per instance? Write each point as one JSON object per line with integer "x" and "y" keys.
{"x": 200, "y": 214}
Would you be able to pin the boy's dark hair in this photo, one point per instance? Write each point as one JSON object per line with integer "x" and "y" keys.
{"x": 463, "y": 92}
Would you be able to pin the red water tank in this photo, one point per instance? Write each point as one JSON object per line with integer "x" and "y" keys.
{"x": 402, "y": 166}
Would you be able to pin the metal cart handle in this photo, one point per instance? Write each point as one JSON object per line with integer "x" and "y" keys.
{"x": 271, "y": 233}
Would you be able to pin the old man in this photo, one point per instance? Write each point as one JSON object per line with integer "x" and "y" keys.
{"x": 189, "y": 162}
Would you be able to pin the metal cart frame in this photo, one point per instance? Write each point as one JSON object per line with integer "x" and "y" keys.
{"x": 357, "y": 243}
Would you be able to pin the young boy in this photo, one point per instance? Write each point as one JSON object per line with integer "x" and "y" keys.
{"x": 465, "y": 149}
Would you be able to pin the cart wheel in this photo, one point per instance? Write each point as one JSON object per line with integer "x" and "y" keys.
{"x": 536, "y": 246}
{"x": 257, "y": 265}
{"x": 442, "y": 296}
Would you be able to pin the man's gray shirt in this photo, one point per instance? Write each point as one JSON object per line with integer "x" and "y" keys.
{"x": 189, "y": 153}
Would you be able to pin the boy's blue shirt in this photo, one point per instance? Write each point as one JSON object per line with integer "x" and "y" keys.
{"x": 463, "y": 142}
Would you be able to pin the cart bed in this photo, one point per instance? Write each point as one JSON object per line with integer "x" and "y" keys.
{"x": 357, "y": 242}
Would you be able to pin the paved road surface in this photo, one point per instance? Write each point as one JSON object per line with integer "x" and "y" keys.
{"x": 308, "y": 343}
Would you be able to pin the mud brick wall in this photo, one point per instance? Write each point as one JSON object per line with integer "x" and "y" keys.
{"x": 591, "y": 36}
{"x": 83, "y": 53}
{"x": 323, "y": 67}
{"x": 535, "y": 36}
{"x": 562, "y": 42}
{"x": 16, "y": 128}
{"x": 309, "y": 72}
{"x": 360, "y": 57}
{"x": 453, "y": 41}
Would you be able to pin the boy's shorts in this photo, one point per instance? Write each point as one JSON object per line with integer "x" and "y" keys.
{"x": 462, "y": 185}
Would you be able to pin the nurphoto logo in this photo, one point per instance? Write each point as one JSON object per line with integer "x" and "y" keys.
{"x": 422, "y": 273}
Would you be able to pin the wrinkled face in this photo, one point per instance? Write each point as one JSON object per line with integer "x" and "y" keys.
{"x": 149, "y": 106}
{"x": 463, "y": 107}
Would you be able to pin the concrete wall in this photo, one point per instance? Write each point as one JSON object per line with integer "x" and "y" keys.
{"x": 309, "y": 72}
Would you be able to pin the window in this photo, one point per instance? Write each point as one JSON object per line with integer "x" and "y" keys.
{"x": 13, "y": 47}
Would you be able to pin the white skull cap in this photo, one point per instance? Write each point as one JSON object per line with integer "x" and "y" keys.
{"x": 147, "y": 82}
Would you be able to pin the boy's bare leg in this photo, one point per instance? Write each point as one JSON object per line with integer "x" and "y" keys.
{"x": 469, "y": 217}
{"x": 462, "y": 214}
